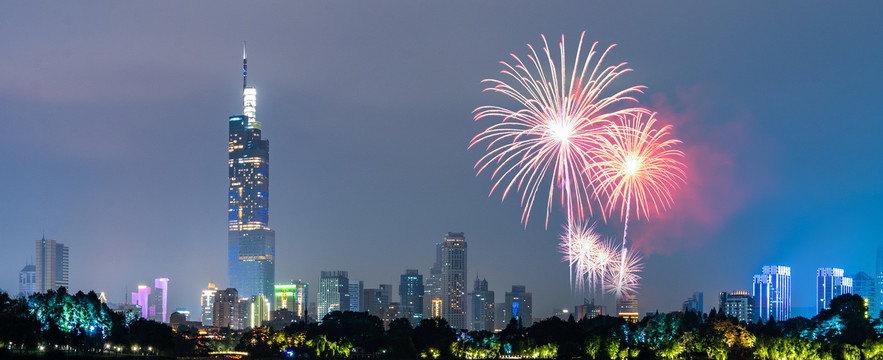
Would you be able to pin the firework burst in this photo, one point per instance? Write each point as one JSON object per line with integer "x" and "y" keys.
{"x": 637, "y": 163}
{"x": 590, "y": 256}
{"x": 559, "y": 117}
{"x": 623, "y": 277}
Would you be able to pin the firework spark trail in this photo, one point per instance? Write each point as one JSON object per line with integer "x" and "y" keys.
{"x": 636, "y": 162}
{"x": 590, "y": 257}
{"x": 558, "y": 122}
{"x": 624, "y": 278}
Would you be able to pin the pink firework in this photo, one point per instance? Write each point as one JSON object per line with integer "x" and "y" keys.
{"x": 560, "y": 115}
{"x": 636, "y": 163}
{"x": 590, "y": 256}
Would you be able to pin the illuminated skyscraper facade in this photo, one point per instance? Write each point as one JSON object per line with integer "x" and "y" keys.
{"x": 482, "y": 306}
{"x": 738, "y": 304}
{"x": 52, "y": 265}
{"x": 293, "y": 297}
{"x": 411, "y": 292}
{"x": 251, "y": 242}
{"x": 159, "y": 300}
{"x": 453, "y": 276}
{"x": 830, "y": 283}
{"x": 878, "y": 274}
{"x": 771, "y": 290}
{"x": 333, "y": 293}
{"x": 207, "y": 303}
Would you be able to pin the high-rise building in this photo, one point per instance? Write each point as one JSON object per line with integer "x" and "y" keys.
{"x": 377, "y": 302}
{"x": 52, "y": 265}
{"x": 27, "y": 280}
{"x": 878, "y": 302}
{"x": 453, "y": 275}
{"x": 771, "y": 290}
{"x": 411, "y": 292}
{"x": 333, "y": 293}
{"x": 251, "y": 242}
{"x": 627, "y": 308}
{"x": 864, "y": 286}
{"x": 830, "y": 283}
{"x": 482, "y": 306}
{"x": 141, "y": 298}
{"x": 258, "y": 310}
{"x": 738, "y": 304}
{"x": 693, "y": 303}
{"x": 226, "y": 309}
{"x": 355, "y": 291}
{"x": 519, "y": 305}
{"x": 159, "y": 300}
{"x": 293, "y": 297}
{"x": 207, "y": 303}
{"x": 433, "y": 287}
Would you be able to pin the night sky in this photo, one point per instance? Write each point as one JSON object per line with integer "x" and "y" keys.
{"x": 114, "y": 135}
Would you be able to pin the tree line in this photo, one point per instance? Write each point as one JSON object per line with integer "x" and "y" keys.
{"x": 60, "y": 322}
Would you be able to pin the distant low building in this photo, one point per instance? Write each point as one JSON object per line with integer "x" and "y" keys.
{"x": 588, "y": 310}
{"x": 738, "y": 304}
{"x": 627, "y": 308}
{"x": 693, "y": 303}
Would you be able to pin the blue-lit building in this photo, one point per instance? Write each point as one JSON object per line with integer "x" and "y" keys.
{"x": 411, "y": 292}
{"x": 830, "y": 283}
{"x": 519, "y": 305}
{"x": 251, "y": 242}
{"x": 771, "y": 290}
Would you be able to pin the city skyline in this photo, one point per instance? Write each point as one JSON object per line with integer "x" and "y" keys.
{"x": 123, "y": 124}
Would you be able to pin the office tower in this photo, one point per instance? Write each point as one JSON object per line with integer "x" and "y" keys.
{"x": 251, "y": 242}
{"x": 258, "y": 310}
{"x": 207, "y": 304}
{"x": 27, "y": 280}
{"x": 292, "y": 297}
{"x": 411, "y": 292}
{"x": 627, "y": 308}
{"x": 738, "y": 304}
{"x": 333, "y": 293}
{"x": 52, "y": 265}
{"x": 226, "y": 309}
{"x": 482, "y": 306}
{"x": 453, "y": 275}
{"x": 864, "y": 286}
{"x": 693, "y": 303}
{"x": 519, "y": 305}
{"x": 500, "y": 318}
{"x": 588, "y": 310}
{"x": 142, "y": 298}
{"x": 355, "y": 291}
{"x": 159, "y": 300}
{"x": 771, "y": 290}
{"x": 377, "y": 302}
{"x": 878, "y": 302}
{"x": 433, "y": 289}
{"x": 830, "y": 283}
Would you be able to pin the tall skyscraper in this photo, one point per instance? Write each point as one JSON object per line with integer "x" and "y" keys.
{"x": 141, "y": 298}
{"x": 355, "y": 291}
{"x": 738, "y": 304}
{"x": 159, "y": 300}
{"x": 226, "y": 309}
{"x": 771, "y": 290}
{"x": 519, "y": 305}
{"x": 482, "y": 306}
{"x": 258, "y": 311}
{"x": 830, "y": 283}
{"x": 333, "y": 293}
{"x": 453, "y": 275}
{"x": 207, "y": 303}
{"x": 52, "y": 265}
{"x": 433, "y": 287}
{"x": 27, "y": 280}
{"x": 411, "y": 292}
{"x": 865, "y": 286}
{"x": 293, "y": 297}
{"x": 251, "y": 242}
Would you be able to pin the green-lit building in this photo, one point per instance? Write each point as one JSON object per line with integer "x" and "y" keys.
{"x": 293, "y": 297}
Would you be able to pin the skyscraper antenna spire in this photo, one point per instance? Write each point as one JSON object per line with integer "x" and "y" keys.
{"x": 244, "y": 65}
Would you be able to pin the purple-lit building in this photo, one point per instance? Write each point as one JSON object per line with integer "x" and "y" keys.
{"x": 159, "y": 300}
{"x": 142, "y": 298}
